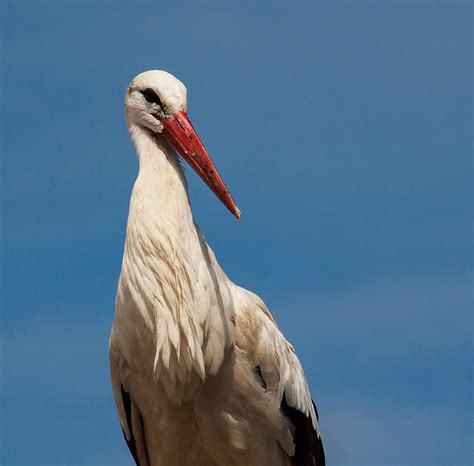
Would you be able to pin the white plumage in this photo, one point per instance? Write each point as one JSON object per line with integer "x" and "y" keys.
{"x": 201, "y": 374}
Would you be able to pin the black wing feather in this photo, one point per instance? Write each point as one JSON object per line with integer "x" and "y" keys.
{"x": 132, "y": 443}
{"x": 309, "y": 449}
{"x": 308, "y": 444}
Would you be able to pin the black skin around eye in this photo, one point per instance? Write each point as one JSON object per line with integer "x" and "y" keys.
{"x": 152, "y": 97}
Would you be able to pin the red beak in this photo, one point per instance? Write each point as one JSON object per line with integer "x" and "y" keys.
{"x": 183, "y": 138}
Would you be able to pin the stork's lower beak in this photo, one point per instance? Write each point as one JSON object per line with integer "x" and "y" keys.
{"x": 179, "y": 132}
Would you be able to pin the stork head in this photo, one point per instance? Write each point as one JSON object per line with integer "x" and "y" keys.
{"x": 156, "y": 101}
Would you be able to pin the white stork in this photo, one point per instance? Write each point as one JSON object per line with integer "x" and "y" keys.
{"x": 201, "y": 374}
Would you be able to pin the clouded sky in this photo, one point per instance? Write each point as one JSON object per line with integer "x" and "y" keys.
{"x": 342, "y": 129}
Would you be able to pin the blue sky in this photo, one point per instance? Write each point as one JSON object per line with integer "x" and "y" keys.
{"x": 344, "y": 133}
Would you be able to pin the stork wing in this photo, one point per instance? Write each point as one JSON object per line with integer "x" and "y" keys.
{"x": 275, "y": 361}
{"x": 130, "y": 417}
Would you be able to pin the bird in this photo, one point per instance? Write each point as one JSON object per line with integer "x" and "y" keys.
{"x": 201, "y": 374}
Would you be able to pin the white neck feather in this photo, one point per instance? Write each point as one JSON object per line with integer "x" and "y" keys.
{"x": 170, "y": 277}
{"x": 161, "y": 177}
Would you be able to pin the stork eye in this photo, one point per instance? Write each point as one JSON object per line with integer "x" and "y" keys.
{"x": 152, "y": 97}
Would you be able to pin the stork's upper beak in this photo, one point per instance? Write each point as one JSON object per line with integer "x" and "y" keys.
{"x": 179, "y": 132}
